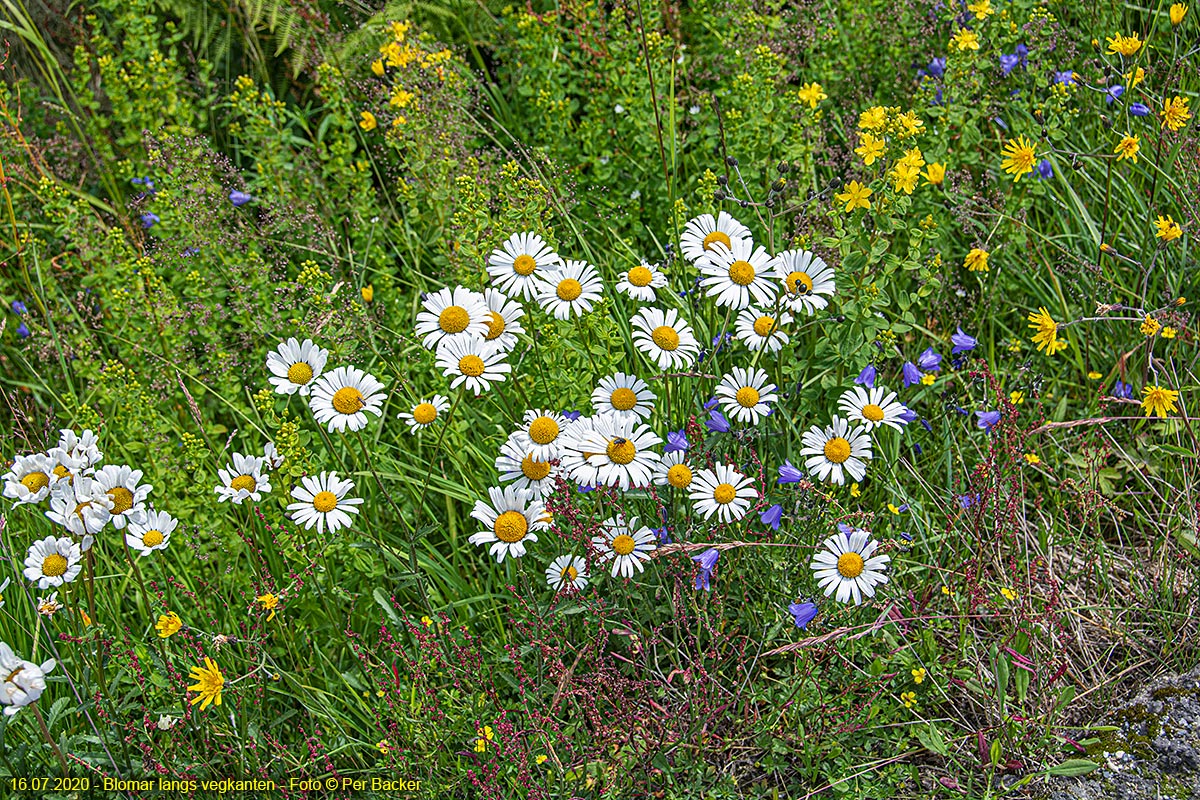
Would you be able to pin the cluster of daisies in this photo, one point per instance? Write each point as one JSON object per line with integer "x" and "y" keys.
{"x": 473, "y": 333}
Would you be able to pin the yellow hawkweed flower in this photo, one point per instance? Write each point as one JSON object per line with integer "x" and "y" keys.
{"x": 1178, "y": 11}
{"x": 1158, "y": 401}
{"x": 854, "y": 197}
{"x": 1168, "y": 229}
{"x": 909, "y": 699}
{"x": 1125, "y": 45}
{"x": 965, "y": 40}
{"x": 1150, "y": 326}
{"x": 976, "y": 260}
{"x": 1135, "y": 77}
{"x": 1046, "y": 337}
{"x": 368, "y": 121}
{"x": 168, "y": 624}
{"x": 269, "y": 603}
{"x": 811, "y": 93}
{"x": 208, "y": 684}
{"x": 919, "y": 673}
{"x": 1168, "y": 332}
{"x": 1019, "y": 156}
{"x": 1175, "y": 113}
{"x": 1128, "y": 148}
{"x": 870, "y": 148}
{"x": 935, "y": 173}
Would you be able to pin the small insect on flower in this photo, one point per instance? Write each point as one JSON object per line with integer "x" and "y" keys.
{"x": 168, "y": 625}
{"x": 1167, "y": 229}
{"x": 1019, "y": 157}
{"x": 567, "y": 572}
{"x": 322, "y": 501}
{"x": 294, "y": 365}
{"x": 846, "y": 564}
{"x": 702, "y": 234}
{"x": 1155, "y": 400}
{"x": 515, "y": 266}
{"x": 425, "y": 413}
{"x": 807, "y": 280}
{"x": 610, "y": 452}
{"x": 976, "y": 260}
{"x": 209, "y": 682}
{"x": 626, "y": 545}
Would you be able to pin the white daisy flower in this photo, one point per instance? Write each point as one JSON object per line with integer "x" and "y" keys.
{"x": 846, "y": 564}
{"x": 425, "y": 413}
{"x": 24, "y": 681}
{"x": 84, "y": 447}
{"x": 836, "y": 450}
{"x": 29, "y": 479}
{"x": 664, "y": 338}
{"x": 504, "y": 325}
{"x": 745, "y": 394}
{"x": 81, "y": 506}
{"x": 807, "y": 280}
{"x": 609, "y": 451}
{"x": 154, "y": 533}
{"x": 53, "y": 561}
{"x": 623, "y": 396}
{"x": 121, "y": 484}
{"x": 873, "y": 407}
{"x": 759, "y": 329}
{"x": 738, "y": 278}
{"x": 571, "y": 288}
{"x": 567, "y": 572}
{"x": 48, "y": 606}
{"x": 517, "y": 266}
{"x": 322, "y": 501}
{"x": 272, "y": 459}
{"x": 702, "y": 234}
{"x": 509, "y": 521}
{"x": 516, "y": 462}
{"x": 674, "y": 470}
{"x": 477, "y": 363}
{"x": 243, "y": 478}
{"x": 294, "y": 365}
{"x": 640, "y": 282}
{"x": 626, "y": 545}
{"x": 452, "y": 315}
{"x": 343, "y": 398}
{"x": 67, "y": 466}
{"x": 545, "y": 431}
{"x": 4, "y": 586}
{"x": 723, "y": 491}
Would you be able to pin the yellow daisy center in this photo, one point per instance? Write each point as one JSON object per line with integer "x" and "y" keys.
{"x": 324, "y": 502}
{"x": 152, "y": 538}
{"x": 850, "y": 565}
{"x": 764, "y": 326}
{"x": 747, "y": 397}
{"x": 79, "y": 509}
{"x": 621, "y": 451}
{"x": 569, "y": 572}
{"x": 640, "y": 276}
{"x": 495, "y": 326}
{"x": 543, "y": 430}
{"x": 511, "y": 526}
{"x": 724, "y": 493}
{"x": 471, "y": 366}
{"x": 300, "y": 373}
{"x": 665, "y": 337}
{"x": 872, "y": 412}
{"x": 122, "y": 499}
{"x": 35, "y": 481}
{"x": 623, "y": 545}
{"x": 348, "y": 400}
{"x": 54, "y": 565}
{"x": 524, "y": 265}
{"x": 837, "y": 450}
{"x": 424, "y": 413}
{"x": 454, "y": 319}
{"x": 246, "y": 482}
{"x": 569, "y": 289}
{"x": 623, "y": 399}
{"x": 61, "y": 472}
{"x": 717, "y": 236}
{"x": 680, "y": 476}
{"x": 534, "y": 470}
{"x": 741, "y": 273}
{"x": 799, "y": 283}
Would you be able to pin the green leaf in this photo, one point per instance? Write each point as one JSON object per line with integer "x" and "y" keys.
{"x": 1072, "y": 767}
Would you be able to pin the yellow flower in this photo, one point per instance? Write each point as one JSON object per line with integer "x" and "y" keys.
{"x": 919, "y": 673}
{"x": 905, "y": 177}
{"x": 1178, "y": 12}
{"x": 855, "y": 491}
{"x": 935, "y": 173}
{"x": 485, "y": 735}
{"x": 913, "y": 158}
{"x": 1046, "y": 337}
{"x": 1168, "y": 229}
{"x": 892, "y": 507}
{"x": 811, "y": 93}
{"x": 208, "y": 684}
{"x": 269, "y": 603}
{"x": 1125, "y": 45}
{"x": 377, "y": 67}
{"x": 1032, "y": 458}
{"x": 873, "y": 118}
{"x": 168, "y": 624}
{"x": 976, "y": 260}
{"x": 910, "y": 124}
{"x": 928, "y": 378}
{"x": 981, "y": 9}
{"x": 1009, "y": 594}
{"x": 368, "y": 293}
{"x": 368, "y": 122}
{"x": 1016, "y": 397}
{"x": 1158, "y": 401}
{"x": 945, "y": 590}
{"x": 1150, "y": 326}
{"x": 401, "y": 98}
{"x": 1094, "y": 376}
{"x": 965, "y": 40}
{"x": 383, "y": 746}
{"x": 869, "y": 148}
{"x": 854, "y": 197}
{"x": 1135, "y": 77}
{"x": 1019, "y": 156}
{"x": 909, "y": 699}
{"x": 1168, "y": 332}
{"x": 1128, "y": 148}
{"x": 541, "y": 759}
{"x": 87, "y": 621}
{"x": 426, "y": 621}
{"x": 1175, "y": 113}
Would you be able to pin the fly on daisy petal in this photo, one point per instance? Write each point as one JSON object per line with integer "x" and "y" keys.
{"x": 610, "y": 451}
{"x": 845, "y": 565}
{"x": 806, "y": 279}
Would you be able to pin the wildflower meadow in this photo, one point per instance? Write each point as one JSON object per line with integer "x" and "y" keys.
{"x": 574, "y": 399}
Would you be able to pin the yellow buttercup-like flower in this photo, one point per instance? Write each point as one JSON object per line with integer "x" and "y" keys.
{"x": 935, "y": 173}
{"x": 873, "y": 118}
{"x": 855, "y": 196}
{"x": 981, "y": 9}
{"x": 811, "y": 93}
{"x": 965, "y": 40}
{"x": 368, "y": 121}
{"x": 1159, "y": 401}
{"x": 1178, "y": 11}
{"x": 1128, "y": 148}
{"x": 870, "y": 148}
